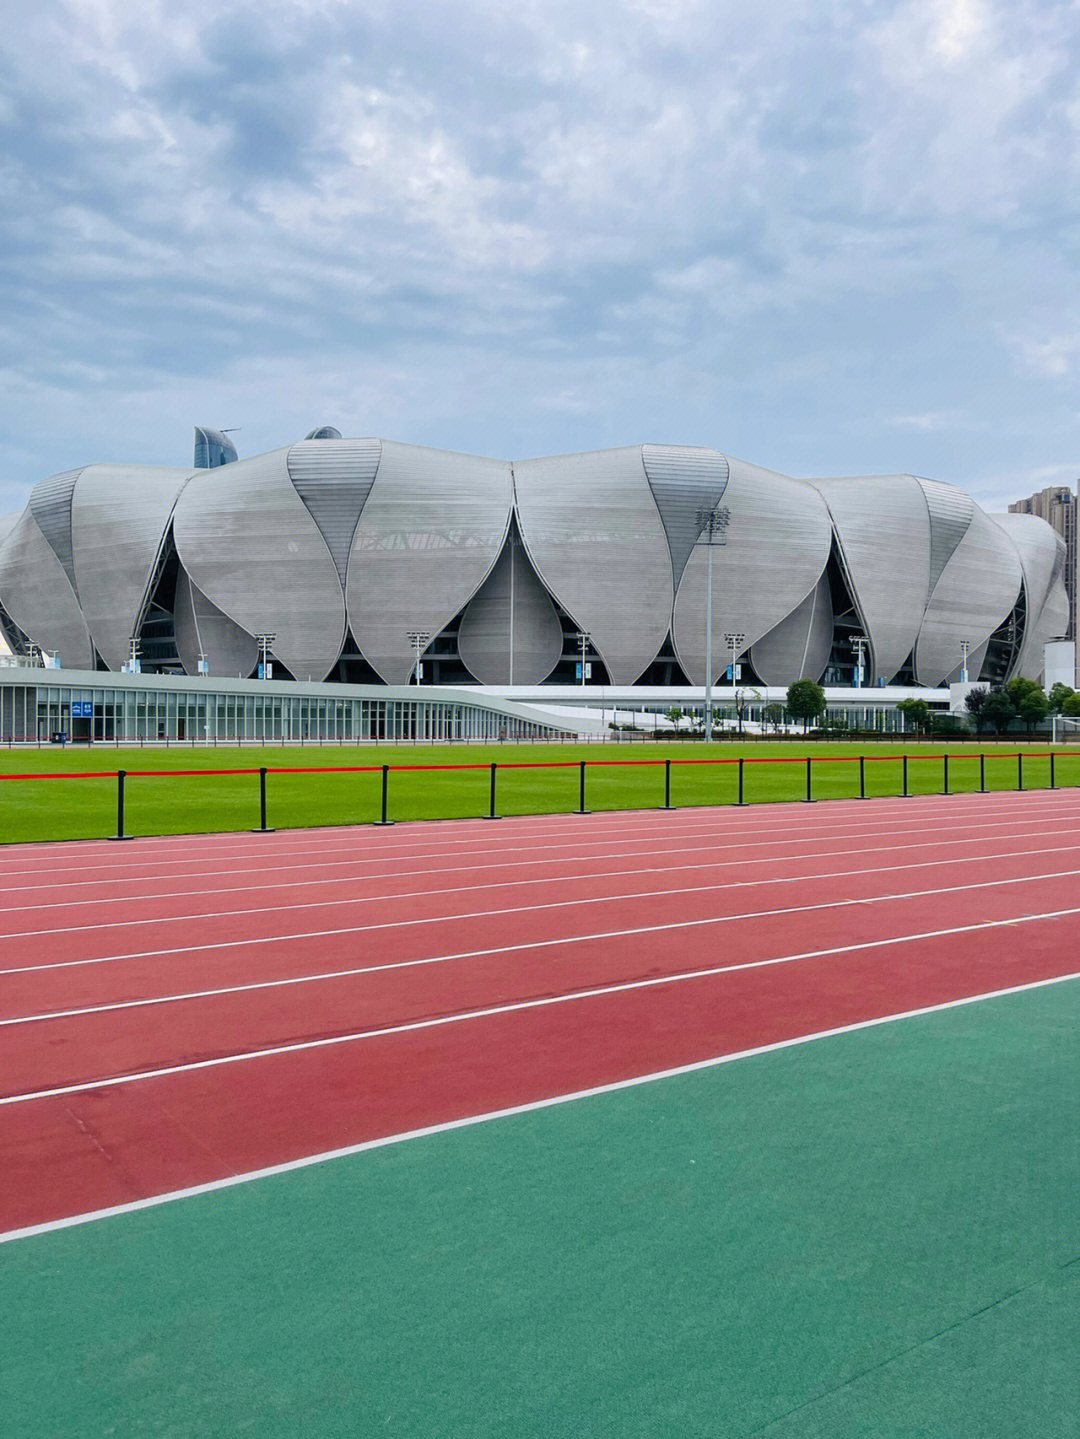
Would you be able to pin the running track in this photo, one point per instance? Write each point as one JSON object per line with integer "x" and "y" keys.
{"x": 177, "y": 1012}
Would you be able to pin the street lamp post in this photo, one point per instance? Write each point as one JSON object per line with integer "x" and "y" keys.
{"x": 419, "y": 639}
{"x": 264, "y": 641}
{"x": 712, "y": 527}
{"x": 584, "y": 640}
{"x": 859, "y": 643}
{"x": 965, "y": 648}
{"x": 734, "y": 642}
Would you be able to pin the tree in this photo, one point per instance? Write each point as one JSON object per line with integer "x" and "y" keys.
{"x": 1028, "y": 699}
{"x": 1071, "y": 707}
{"x": 1059, "y": 694}
{"x": 774, "y": 713}
{"x": 916, "y": 713}
{"x": 974, "y": 701}
{"x": 998, "y": 711}
{"x": 674, "y": 714}
{"x": 805, "y": 701}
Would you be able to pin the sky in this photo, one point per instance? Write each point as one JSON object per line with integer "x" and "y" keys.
{"x": 838, "y": 237}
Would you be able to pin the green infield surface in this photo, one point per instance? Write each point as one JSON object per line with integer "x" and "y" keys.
{"x": 875, "y": 1233}
{"x": 454, "y": 781}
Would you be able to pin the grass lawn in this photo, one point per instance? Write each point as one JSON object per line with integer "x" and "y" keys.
{"x": 616, "y": 779}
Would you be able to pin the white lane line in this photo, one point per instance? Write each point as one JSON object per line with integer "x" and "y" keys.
{"x": 513, "y": 1007}
{"x": 609, "y": 852}
{"x": 139, "y": 922}
{"x": 571, "y": 876}
{"x": 766, "y": 818}
{"x": 519, "y": 947}
{"x": 447, "y": 1126}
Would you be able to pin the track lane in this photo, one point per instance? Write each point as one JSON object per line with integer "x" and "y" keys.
{"x": 392, "y": 983}
{"x": 75, "y": 1153}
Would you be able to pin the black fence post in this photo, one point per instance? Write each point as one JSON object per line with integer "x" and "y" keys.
{"x": 1052, "y": 784}
{"x": 982, "y": 774}
{"x": 1019, "y": 769}
{"x": 945, "y": 773}
{"x": 263, "y": 829}
{"x": 491, "y": 807}
{"x": 385, "y": 794}
{"x": 581, "y": 791}
{"x": 862, "y": 776}
{"x": 121, "y": 776}
{"x": 667, "y": 784}
{"x": 905, "y": 795}
{"x": 742, "y": 799}
{"x": 809, "y": 779}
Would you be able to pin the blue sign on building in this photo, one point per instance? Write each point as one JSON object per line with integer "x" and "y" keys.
{"x": 82, "y": 709}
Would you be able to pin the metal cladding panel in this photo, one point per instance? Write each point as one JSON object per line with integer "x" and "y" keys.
{"x": 201, "y": 629}
{"x": 683, "y": 481}
{"x": 775, "y": 550}
{"x": 37, "y": 594}
{"x": 594, "y": 534}
{"x": 7, "y": 524}
{"x": 798, "y": 647}
{"x": 883, "y": 529}
{"x": 246, "y": 538}
{"x": 977, "y": 590}
{"x": 119, "y": 518}
{"x": 50, "y": 504}
{"x": 976, "y": 659}
{"x": 950, "y": 514}
{"x": 333, "y": 477}
{"x": 1042, "y": 559}
{"x": 428, "y": 537}
{"x": 484, "y": 636}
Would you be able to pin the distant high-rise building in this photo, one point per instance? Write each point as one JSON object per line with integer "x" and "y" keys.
{"x": 1057, "y": 505}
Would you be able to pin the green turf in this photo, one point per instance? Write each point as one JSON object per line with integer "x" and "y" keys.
{"x": 871, "y": 1236}
{"x": 80, "y": 809}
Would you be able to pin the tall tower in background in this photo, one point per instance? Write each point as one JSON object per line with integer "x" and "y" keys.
{"x": 1057, "y": 505}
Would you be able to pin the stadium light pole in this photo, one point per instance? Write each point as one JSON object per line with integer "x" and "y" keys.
{"x": 712, "y": 526}
{"x": 965, "y": 648}
{"x": 419, "y": 639}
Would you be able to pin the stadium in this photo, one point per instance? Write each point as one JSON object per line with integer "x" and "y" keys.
{"x": 351, "y": 560}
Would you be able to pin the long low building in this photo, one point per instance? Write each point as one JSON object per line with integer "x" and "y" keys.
{"x": 350, "y": 560}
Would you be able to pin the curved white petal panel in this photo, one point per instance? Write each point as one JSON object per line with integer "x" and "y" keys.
{"x": 950, "y": 513}
{"x": 977, "y": 589}
{"x": 1042, "y": 559}
{"x": 37, "y": 594}
{"x": 119, "y": 518}
{"x": 203, "y": 631}
{"x": 511, "y": 609}
{"x": 248, "y": 542}
{"x": 878, "y": 516}
{"x": 429, "y": 535}
{"x": 774, "y": 552}
{"x": 594, "y": 534}
{"x": 7, "y": 524}
{"x": 50, "y": 504}
{"x": 684, "y": 481}
{"x": 334, "y": 477}
{"x": 798, "y": 647}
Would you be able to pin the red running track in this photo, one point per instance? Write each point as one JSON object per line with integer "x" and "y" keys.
{"x": 176, "y": 1012}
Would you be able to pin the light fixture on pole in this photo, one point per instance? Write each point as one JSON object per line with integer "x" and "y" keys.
{"x": 965, "y": 649}
{"x": 734, "y": 642}
{"x": 584, "y": 640}
{"x": 419, "y": 639}
{"x": 265, "y": 641}
{"x": 859, "y": 643}
{"x": 712, "y": 528}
